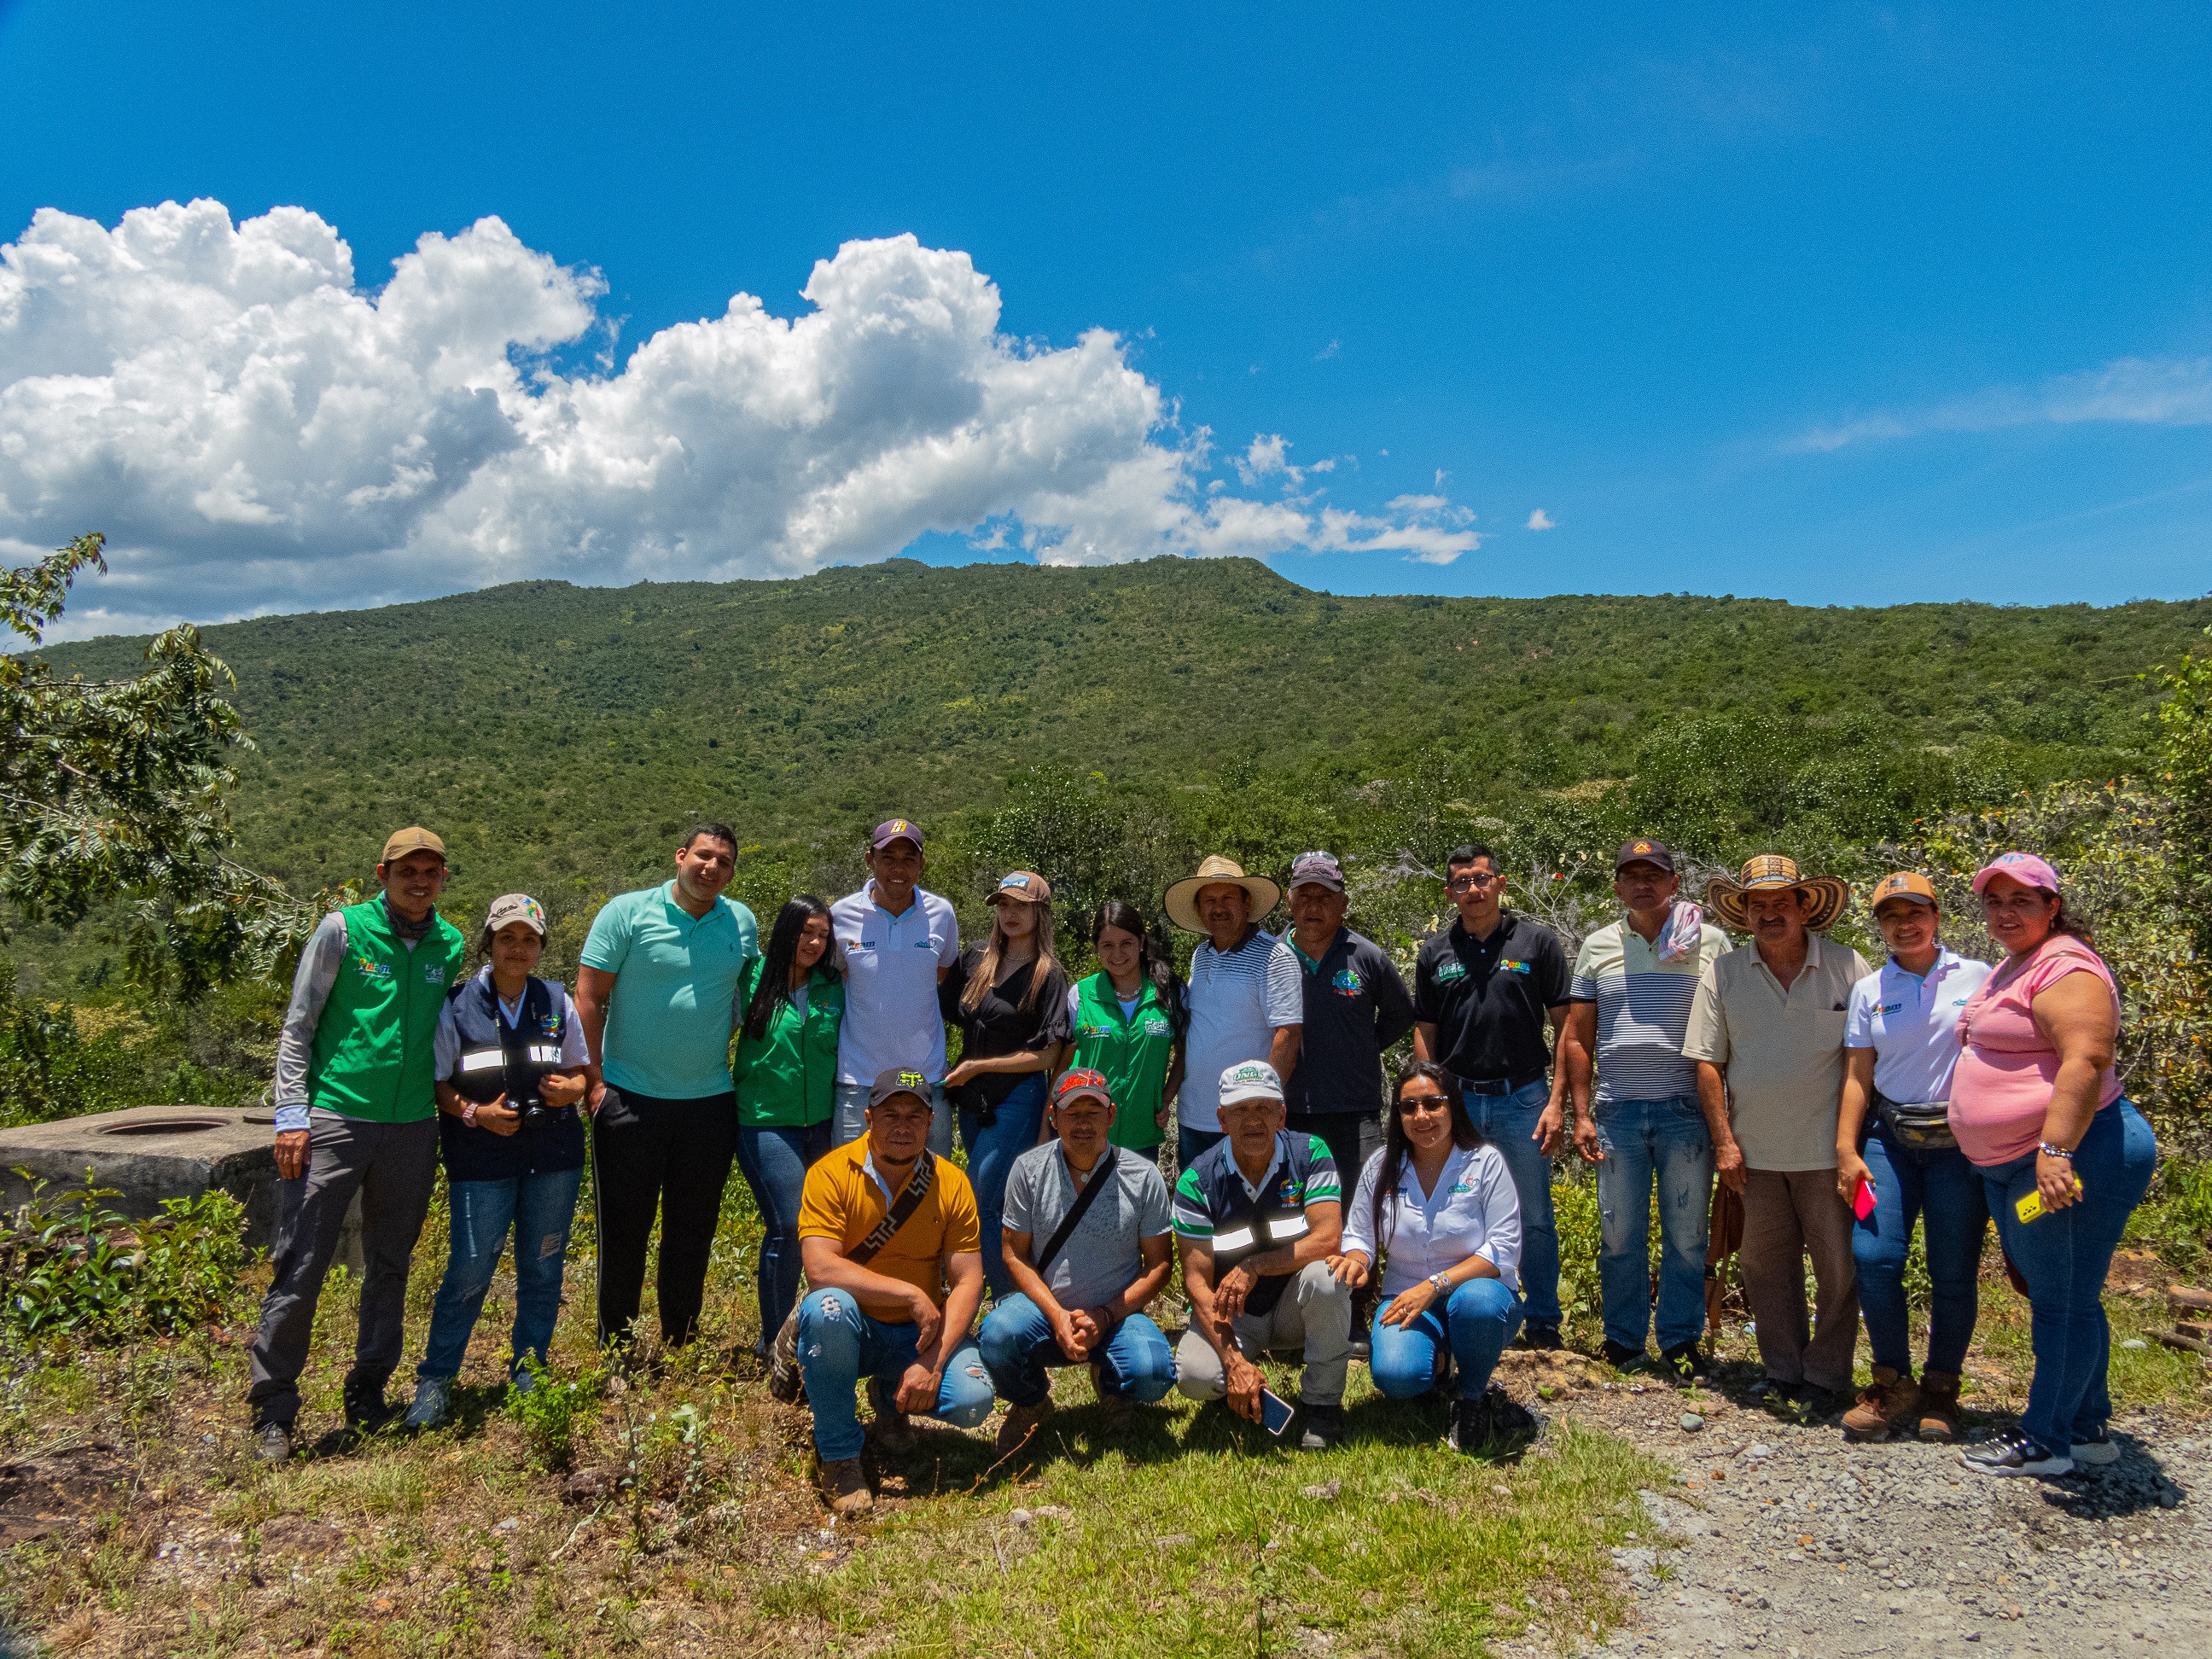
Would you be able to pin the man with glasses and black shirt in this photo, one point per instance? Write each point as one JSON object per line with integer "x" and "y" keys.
{"x": 1483, "y": 989}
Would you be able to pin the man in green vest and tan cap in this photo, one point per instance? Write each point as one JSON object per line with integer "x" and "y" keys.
{"x": 357, "y": 1113}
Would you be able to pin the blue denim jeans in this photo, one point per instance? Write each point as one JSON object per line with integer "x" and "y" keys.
{"x": 1942, "y": 1189}
{"x": 991, "y": 1153}
{"x": 1192, "y": 1144}
{"x": 839, "y": 1345}
{"x": 539, "y": 1209}
{"x": 773, "y": 1162}
{"x": 1019, "y": 1347}
{"x": 2064, "y": 1256}
{"x": 1648, "y": 1142}
{"x": 1509, "y": 1123}
{"x": 850, "y": 1120}
{"x": 1473, "y": 1324}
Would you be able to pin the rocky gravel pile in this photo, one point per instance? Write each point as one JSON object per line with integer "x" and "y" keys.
{"x": 1775, "y": 1538}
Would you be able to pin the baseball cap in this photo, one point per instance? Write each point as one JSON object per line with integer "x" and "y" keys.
{"x": 1250, "y": 1079}
{"x": 1317, "y": 870}
{"x": 899, "y": 1080}
{"x": 891, "y": 829}
{"x": 1026, "y": 885}
{"x": 2025, "y": 868}
{"x": 1645, "y": 851}
{"x": 413, "y": 839}
{"x": 1904, "y": 885}
{"x": 515, "y": 906}
{"x": 1080, "y": 1082}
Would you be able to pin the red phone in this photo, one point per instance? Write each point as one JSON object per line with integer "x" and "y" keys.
{"x": 1863, "y": 1201}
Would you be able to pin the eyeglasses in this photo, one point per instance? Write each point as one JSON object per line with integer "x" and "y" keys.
{"x": 1472, "y": 879}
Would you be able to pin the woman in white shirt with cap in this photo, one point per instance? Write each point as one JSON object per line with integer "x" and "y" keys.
{"x": 1440, "y": 1203}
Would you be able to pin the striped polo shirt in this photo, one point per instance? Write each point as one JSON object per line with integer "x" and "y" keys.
{"x": 1643, "y": 1011}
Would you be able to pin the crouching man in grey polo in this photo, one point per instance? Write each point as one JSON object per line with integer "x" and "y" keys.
{"x": 357, "y": 1112}
{"x": 1256, "y": 1219}
{"x": 1084, "y": 1283}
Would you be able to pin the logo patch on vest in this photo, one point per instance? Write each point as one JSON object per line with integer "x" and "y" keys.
{"x": 434, "y": 974}
{"x": 1508, "y": 965}
{"x": 370, "y": 969}
{"x": 1450, "y": 969}
{"x": 1156, "y": 1024}
{"x": 1347, "y": 983}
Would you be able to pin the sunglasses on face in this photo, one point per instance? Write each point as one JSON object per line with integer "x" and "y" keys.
{"x": 1471, "y": 880}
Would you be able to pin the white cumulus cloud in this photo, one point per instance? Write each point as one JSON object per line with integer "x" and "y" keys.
{"x": 1540, "y": 519}
{"x": 257, "y": 433}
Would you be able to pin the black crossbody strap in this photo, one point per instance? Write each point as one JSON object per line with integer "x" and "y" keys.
{"x": 1084, "y": 1200}
{"x": 917, "y": 1188}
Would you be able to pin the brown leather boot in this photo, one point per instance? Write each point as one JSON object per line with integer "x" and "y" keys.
{"x": 1890, "y": 1402}
{"x": 1940, "y": 1418}
{"x": 846, "y": 1487}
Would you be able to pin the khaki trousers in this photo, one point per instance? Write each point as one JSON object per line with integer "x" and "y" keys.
{"x": 1787, "y": 1216}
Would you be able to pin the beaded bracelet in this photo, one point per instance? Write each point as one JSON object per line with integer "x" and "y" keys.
{"x": 2050, "y": 1151}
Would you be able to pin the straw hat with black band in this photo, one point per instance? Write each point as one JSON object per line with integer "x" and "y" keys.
{"x": 1182, "y": 902}
{"x": 1824, "y": 896}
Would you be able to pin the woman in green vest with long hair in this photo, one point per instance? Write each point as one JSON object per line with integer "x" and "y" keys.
{"x": 787, "y": 1074}
{"x": 1128, "y": 1021}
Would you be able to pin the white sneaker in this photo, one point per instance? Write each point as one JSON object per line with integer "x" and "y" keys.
{"x": 2015, "y": 1455}
{"x": 2096, "y": 1453}
{"x": 433, "y": 1402}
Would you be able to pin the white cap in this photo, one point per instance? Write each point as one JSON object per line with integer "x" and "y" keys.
{"x": 1250, "y": 1079}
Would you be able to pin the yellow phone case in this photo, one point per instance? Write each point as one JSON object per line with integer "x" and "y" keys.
{"x": 2030, "y": 1207}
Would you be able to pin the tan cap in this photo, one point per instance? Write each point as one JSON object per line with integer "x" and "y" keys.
{"x": 1905, "y": 885}
{"x": 1026, "y": 885}
{"x": 515, "y": 906}
{"x": 412, "y": 839}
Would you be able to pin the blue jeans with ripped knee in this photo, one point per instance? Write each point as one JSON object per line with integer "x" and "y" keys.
{"x": 839, "y": 1345}
{"x": 537, "y": 1209}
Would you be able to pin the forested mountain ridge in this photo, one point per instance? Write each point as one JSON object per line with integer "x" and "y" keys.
{"x": 547, "y": 728}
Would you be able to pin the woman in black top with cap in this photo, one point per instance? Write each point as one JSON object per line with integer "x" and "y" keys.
{"x": 1009, "y": 1000}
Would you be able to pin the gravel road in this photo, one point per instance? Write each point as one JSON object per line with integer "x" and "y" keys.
{"x": 1781, "y": 1540}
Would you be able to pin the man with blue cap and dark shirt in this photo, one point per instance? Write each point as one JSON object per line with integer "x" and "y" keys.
{"x": 1356, "y": 1007}
{"x": 1482, "y": 991}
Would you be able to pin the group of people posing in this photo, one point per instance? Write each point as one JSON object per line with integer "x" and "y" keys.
{"x": 1836, "y": 1105}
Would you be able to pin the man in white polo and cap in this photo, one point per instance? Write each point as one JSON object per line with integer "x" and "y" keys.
{"x": 1246, "y": 994}
{"x": 1256, "y": 1219}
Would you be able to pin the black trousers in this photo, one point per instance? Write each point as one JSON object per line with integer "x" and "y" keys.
{"x": 1351, "y": 1136}
{"x": 672, "y": 1155}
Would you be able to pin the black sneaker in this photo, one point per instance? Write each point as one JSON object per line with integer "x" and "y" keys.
{"x": 1470, "y": 1429}
{"x": 2015, "y": 1455}
{"x": 1496, "y": 1418}
{"x": 1811, "y": 1401}
{"x": 1541, "y": 1338}
{"x": 1685, "y": 1362}
{"x": 366, "y": 1410}
{"x": 1620, "y": 1355}
{"x": 272, "y": 1442}
{"x": 1323, "y": 1426}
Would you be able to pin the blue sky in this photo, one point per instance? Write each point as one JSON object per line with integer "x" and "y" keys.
{"x": 1846, "y": 305}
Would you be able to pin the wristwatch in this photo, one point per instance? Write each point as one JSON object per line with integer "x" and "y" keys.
{"x": 469, "y": 1114}
{"x": 1443, "y": 1282}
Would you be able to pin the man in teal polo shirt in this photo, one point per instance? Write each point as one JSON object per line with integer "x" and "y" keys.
{"x": 657, "y": 991}
{"x": 357, "y": 1113}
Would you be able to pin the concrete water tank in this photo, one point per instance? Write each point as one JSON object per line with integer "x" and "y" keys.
{"x": 149, "y": 1153}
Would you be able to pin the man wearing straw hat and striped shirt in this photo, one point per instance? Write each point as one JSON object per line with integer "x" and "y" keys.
{"x": 1766, "y": 1030}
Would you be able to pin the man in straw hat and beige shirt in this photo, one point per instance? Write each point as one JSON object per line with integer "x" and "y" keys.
{"x": 1766, "y": 1030}
{"x": 1247, "y": 995}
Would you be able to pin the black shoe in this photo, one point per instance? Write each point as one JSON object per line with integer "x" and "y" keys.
{"x": 1323, "y": 1426}
{"x": 366, "y": 1410}
{"x": 272, "y": 1442}
{"x": 1620, "y": 1355}
{"x": 1811, "y": 1401}
{"x": 1685, "y": 1362}
{"x": 1496, "y": 1418}
{"x": 1542, "y": 1339}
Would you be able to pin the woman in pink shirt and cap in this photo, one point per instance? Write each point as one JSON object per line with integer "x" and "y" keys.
{"x": 2036, "y": 1105}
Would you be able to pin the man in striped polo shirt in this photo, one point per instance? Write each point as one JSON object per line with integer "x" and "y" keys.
{"x": 1630, "y": 1009}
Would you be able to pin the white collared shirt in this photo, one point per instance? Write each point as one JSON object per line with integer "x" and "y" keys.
{"x": 891, "y": 966}
{"x": 1911, "y": 1023}
{"x": 1472, "y": 1211}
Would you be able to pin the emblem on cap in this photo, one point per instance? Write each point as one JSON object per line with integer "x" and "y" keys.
{"x": 1641, "y": 847}
{"x": 913, "y": 1080}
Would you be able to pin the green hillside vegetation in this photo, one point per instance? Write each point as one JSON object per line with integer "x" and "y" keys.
{"x": 557, "y": 734}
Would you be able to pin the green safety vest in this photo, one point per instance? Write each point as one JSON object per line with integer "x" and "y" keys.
{"x": 788, "y": 1077}
{"x": 374, "y": 1056}
{"x": 1134, "y": 1052}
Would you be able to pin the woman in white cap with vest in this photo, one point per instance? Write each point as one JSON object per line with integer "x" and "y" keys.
{"x": 512, "y": 1068}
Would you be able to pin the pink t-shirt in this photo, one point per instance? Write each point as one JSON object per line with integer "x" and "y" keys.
{"x": 2001, "y": 1089}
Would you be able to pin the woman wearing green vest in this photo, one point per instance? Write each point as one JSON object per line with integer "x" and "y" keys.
{"x": 787, "y": 1075}
{"x": 1128, "y": 1021}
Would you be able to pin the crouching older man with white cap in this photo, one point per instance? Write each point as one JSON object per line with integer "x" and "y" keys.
{"x": 1256, "y": 1219}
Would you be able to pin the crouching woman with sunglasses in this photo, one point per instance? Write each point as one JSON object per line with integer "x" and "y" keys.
{"x": 1437, "y": 1205}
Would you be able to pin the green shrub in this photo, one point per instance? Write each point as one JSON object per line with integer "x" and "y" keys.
{"x": 1574, "y": 1206}
{"x": 551, "y": 1409}
{"x": 74, "y": 1267}
{"x": 2176, "y": 1219}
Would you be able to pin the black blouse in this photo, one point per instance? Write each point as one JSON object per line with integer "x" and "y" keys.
{"x": 1000, "y": 1024}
